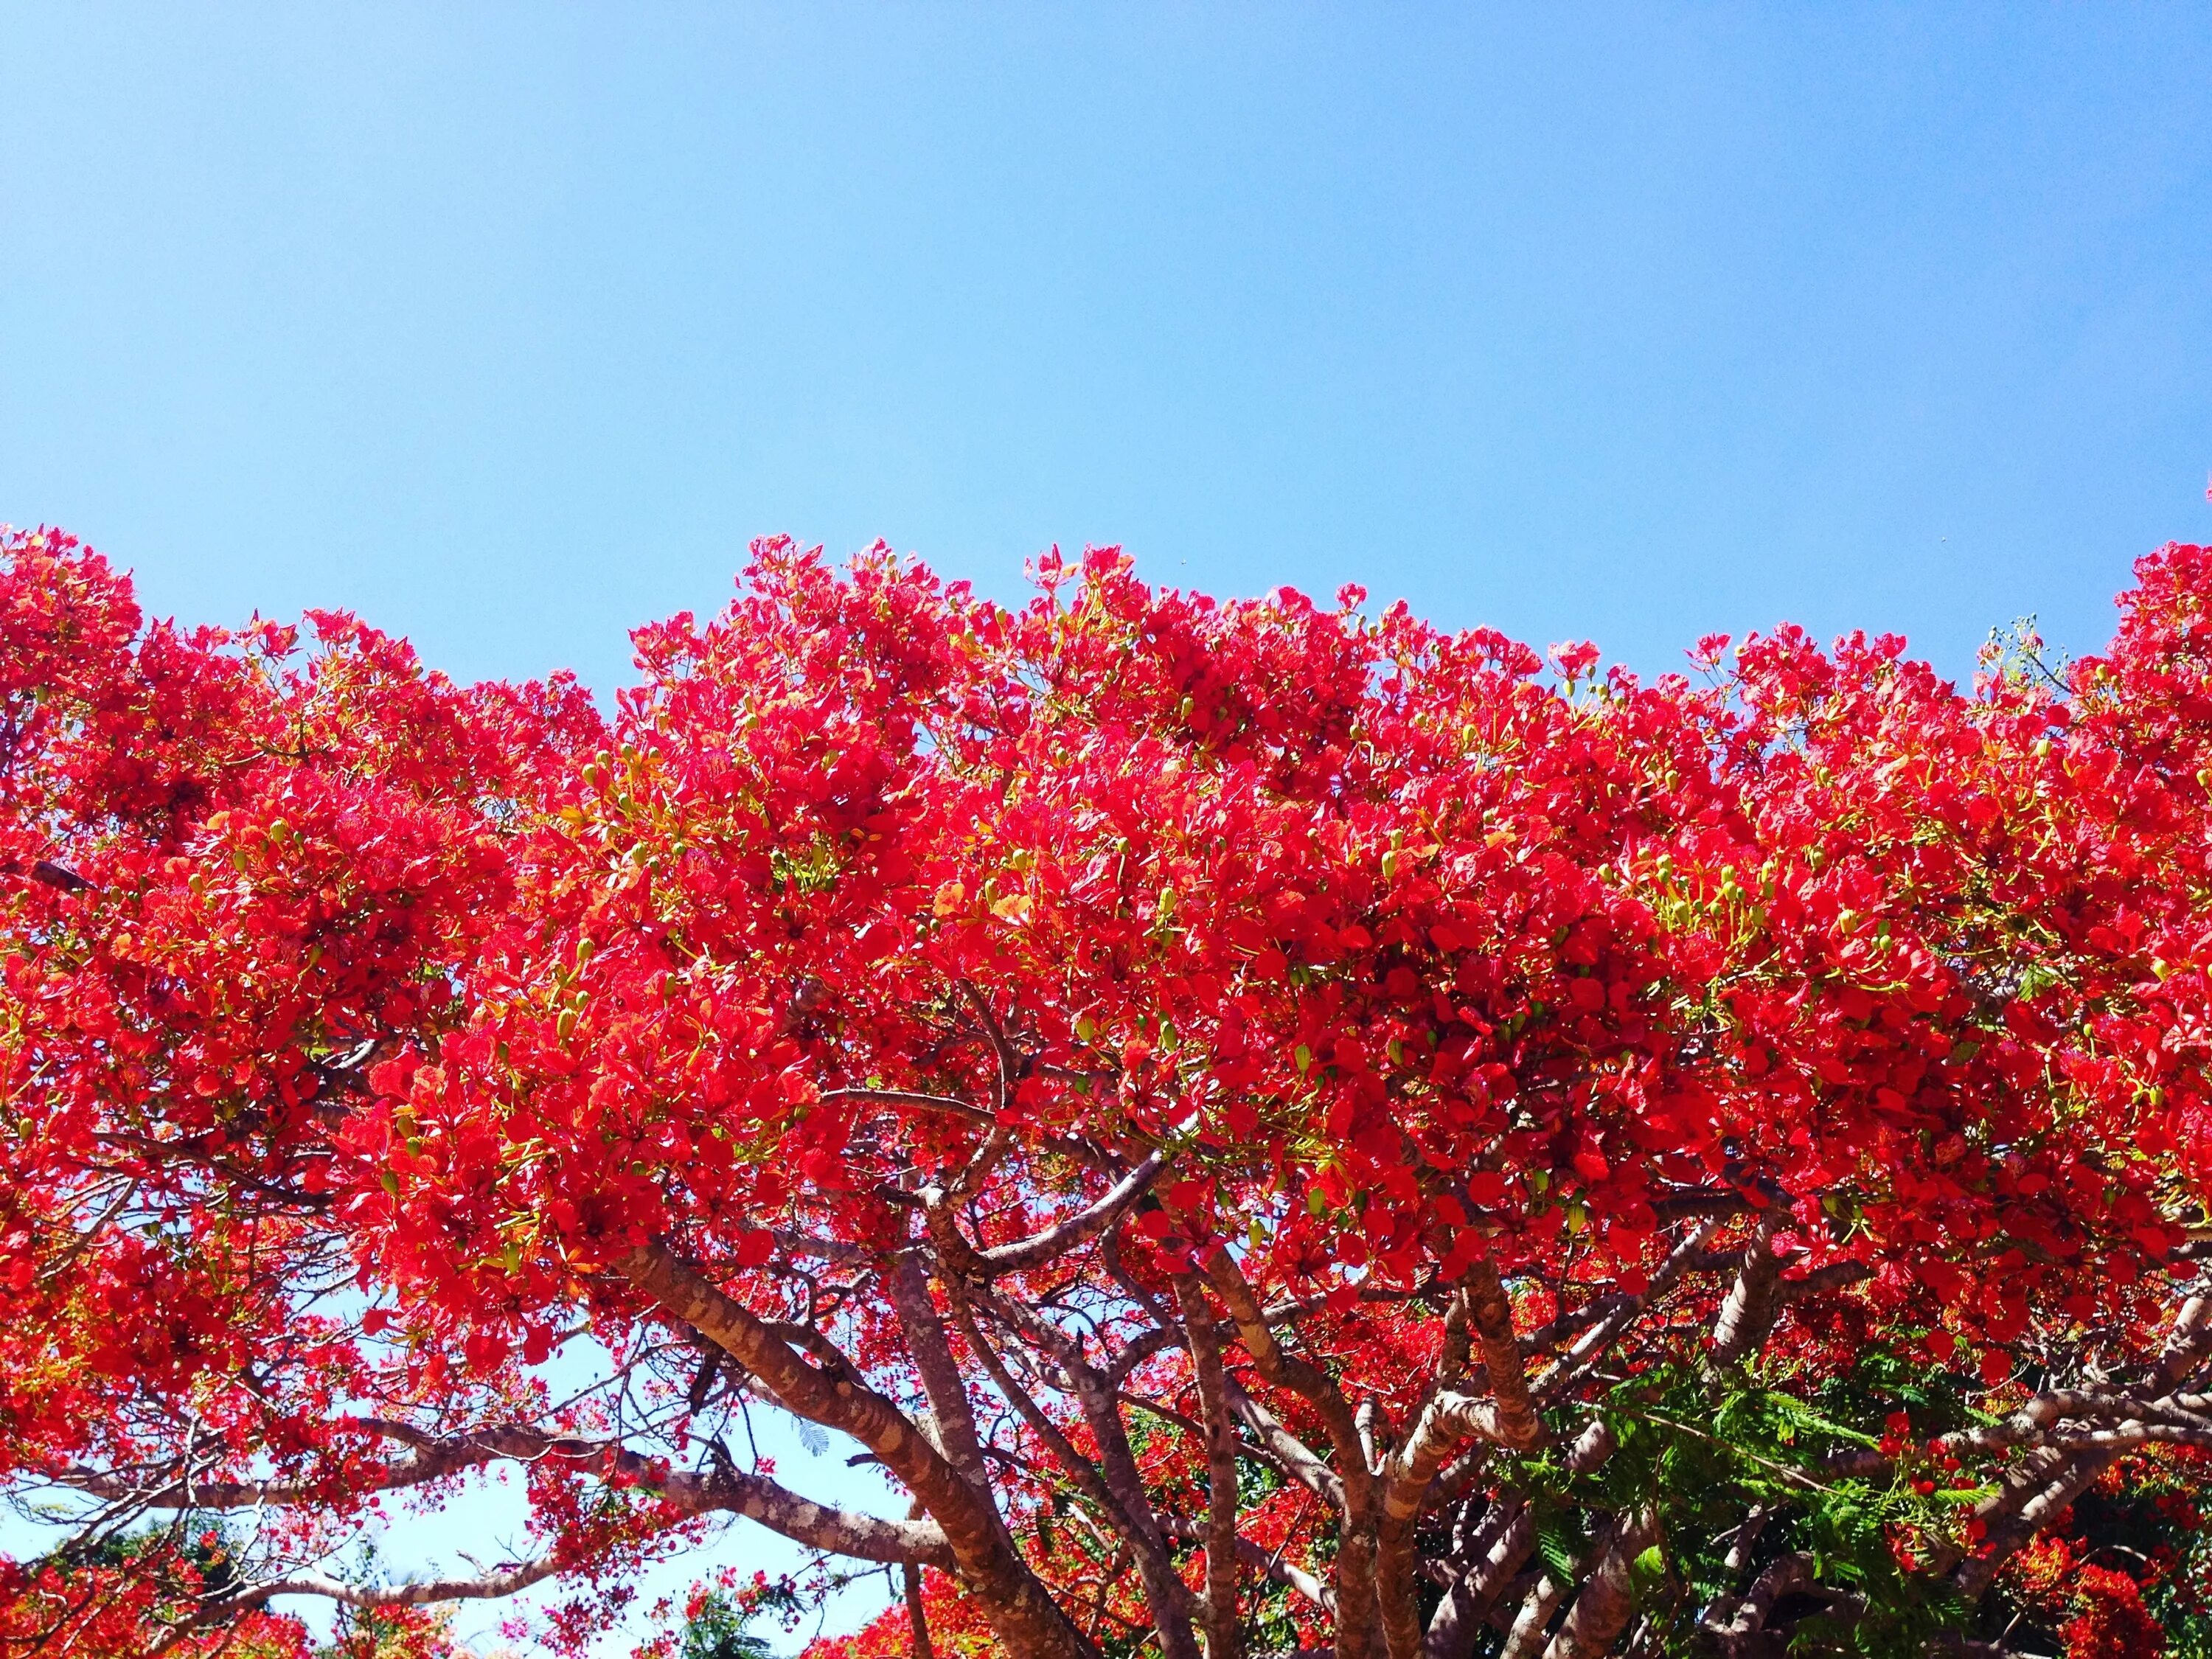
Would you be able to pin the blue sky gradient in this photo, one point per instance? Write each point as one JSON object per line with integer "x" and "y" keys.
{"x": 509, "y": 327}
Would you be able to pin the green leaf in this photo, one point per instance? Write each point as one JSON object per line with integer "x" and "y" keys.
{"x": 1804, "y": 1416}
{"x": 1551, "y": 1543}
{"x": 1964, "y": 1496}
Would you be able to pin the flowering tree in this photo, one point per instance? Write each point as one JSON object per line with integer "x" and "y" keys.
{"x": 1265, "y": 1128}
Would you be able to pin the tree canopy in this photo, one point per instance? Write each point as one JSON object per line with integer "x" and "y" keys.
{"x": 1264, "y": 1127}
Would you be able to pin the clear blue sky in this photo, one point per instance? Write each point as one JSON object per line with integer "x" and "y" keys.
{"x": 507, "y": 327}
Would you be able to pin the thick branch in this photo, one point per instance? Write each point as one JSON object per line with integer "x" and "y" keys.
{"x": 1152, "y": 1342}
{"x": 1457, "y": 1622}
{"x": 917, "y": 1620}
{"x": 908, "y": 1100}
{"x": 1586, "y": 1348}
{"x": 818, "y": 1526}
{"x": 1079, "y": 1229}
{"x": 1019, "y": 1607}
{"x": 1600, "y": 1611}
{"x": 1267, "y": 1563}
{"x": 1224, "y": 1638}
{"x": 1079, "y": 1468}
{"x": 1526, "y": 1638}
{"x": 951, "y": 1418}
{"x": 1298, "y": 1459}
{"x": 1748, "y": 1616}
{"x": 488, "y": 1588}
{"x": 1748, "y": 1313}
{"x": 1302, "y": 1377}
{"x": 1448, "y": 1420}
{"x": 1358, "y": 1618}
{"x": 1117, "y": 1468}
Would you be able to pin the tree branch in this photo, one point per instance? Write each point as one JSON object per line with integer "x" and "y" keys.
{"x": 490, "y": 1587}
{"x": 1076, "y": 1229}
{"x": 1019, "y": 1607}
{"x": 951, "y": 1417}
{"x": 1607, "y": 1598}
{"x": 1224, "y": 1638}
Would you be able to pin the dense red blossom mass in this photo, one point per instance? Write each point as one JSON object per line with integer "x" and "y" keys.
{"x": 1268, "y": 1126}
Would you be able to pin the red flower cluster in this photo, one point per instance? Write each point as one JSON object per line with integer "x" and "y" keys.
{"x": 909, "y": 972}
